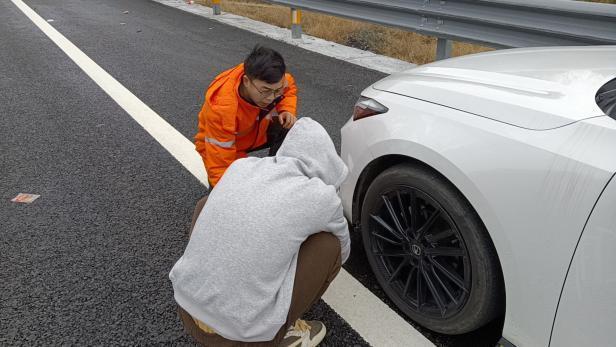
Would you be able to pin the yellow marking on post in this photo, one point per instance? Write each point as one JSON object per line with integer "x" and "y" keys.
{"x": 296, "y": 16}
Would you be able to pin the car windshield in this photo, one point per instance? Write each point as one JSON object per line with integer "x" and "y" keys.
{"x": 606, "y": 98}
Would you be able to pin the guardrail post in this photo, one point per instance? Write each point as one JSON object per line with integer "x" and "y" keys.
{"x": 443, "y": 48}
{"x": 216, "y": 7}
{"x": 296, "y": 23}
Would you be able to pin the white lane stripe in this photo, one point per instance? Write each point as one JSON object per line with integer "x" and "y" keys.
{"x": 378, "y": 324}
{"x": 180, "y": 147}
{"x": 366, "y": 313}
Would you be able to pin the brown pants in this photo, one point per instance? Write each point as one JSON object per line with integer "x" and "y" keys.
{"x": 318, "y": 264}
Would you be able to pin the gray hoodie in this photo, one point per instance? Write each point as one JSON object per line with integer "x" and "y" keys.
{"x": 237, "y": 272}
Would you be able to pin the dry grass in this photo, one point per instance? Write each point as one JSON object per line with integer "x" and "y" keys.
{"x": 400, "y": 44}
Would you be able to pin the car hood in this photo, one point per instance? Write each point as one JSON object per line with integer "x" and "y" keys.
{"x": 533, "y": 88}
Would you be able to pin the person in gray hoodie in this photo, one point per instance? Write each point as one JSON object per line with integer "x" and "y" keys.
{"x": 265, "y": 246}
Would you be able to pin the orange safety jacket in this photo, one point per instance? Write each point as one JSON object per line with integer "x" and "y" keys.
{"x": 229, "y": 125}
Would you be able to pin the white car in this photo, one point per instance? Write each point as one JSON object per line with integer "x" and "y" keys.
{"x": 484, "y": 186}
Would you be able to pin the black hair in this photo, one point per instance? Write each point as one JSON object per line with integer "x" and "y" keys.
{"x": 264, "y": 64}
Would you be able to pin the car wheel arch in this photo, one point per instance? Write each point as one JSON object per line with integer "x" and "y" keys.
{"x": 382, "y": 163}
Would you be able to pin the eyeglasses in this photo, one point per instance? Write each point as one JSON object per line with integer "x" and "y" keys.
{"x": 270, "y": 92}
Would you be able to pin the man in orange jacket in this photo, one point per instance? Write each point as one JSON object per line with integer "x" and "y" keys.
{"x": 248, "y": 107}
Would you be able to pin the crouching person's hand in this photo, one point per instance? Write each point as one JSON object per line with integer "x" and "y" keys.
{"x": 287, "y": 119}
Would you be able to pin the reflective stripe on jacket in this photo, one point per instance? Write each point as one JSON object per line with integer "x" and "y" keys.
{"x": 228, "y": 125}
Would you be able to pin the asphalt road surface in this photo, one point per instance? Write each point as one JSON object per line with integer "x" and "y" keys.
{"x": 87, "y": 263}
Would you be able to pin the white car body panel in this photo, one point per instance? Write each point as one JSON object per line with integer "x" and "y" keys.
{"x": 587, "y": 309}
{"x": 537, "y": 94}
{"x": 534, "y": 190}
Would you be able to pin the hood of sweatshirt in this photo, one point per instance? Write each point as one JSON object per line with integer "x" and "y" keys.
{"x": 310, "y": 144}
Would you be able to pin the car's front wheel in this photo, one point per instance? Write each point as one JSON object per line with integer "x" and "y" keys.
{"x": 430, "y": 251}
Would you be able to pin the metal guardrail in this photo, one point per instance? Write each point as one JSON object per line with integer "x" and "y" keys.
{"x": 496, "y": 23}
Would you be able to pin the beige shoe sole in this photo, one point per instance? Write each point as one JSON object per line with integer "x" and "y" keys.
{"x": 319, "y": 337}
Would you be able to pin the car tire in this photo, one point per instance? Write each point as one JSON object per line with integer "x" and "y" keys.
{"x": 437, "y": 262}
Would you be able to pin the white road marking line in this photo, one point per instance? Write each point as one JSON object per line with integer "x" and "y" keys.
{"x": 366, "y": 313}
{"x": 172, "y": 140}
{"x": 378, "y": 324}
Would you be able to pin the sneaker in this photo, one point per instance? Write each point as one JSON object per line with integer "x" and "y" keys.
{"x": 304, "y": 334}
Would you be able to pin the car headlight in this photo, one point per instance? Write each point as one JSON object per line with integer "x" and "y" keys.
{"x": 366, "y": 107}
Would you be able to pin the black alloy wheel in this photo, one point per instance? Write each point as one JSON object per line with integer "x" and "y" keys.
{"x": 429, "y": 250}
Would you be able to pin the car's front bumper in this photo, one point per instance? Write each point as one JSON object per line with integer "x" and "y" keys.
{"x": 356, "y": 156}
